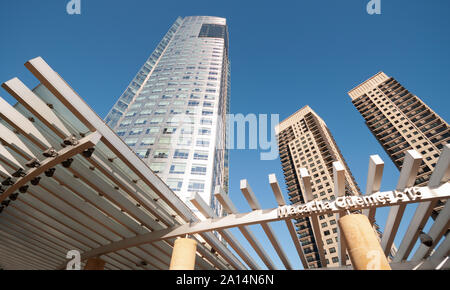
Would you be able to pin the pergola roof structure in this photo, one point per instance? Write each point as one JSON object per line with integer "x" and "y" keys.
{"x": 89, "y": 190}
{"x": 70, "y": 183}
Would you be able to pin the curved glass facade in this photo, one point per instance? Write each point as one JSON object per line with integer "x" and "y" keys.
{"x": 173, "y": 113}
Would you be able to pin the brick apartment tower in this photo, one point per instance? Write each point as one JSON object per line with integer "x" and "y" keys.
{"x": 305, "y": 142}
{"x": 400, "y": 121}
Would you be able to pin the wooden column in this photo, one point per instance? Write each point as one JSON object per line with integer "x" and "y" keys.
{"x": 94, "y": 264}
{"x": 363, "y": 245}
{"x": 183, "y": 254}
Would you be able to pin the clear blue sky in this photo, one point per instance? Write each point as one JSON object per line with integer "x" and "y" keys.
{"x": 284, "y": 54}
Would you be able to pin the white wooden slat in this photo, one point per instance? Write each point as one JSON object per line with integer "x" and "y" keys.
{"x": 443, "y": 250}
{"x": 254, "y": 204}
{"x": 439, "y": 228}
{"x": 30, "y": 232}
{"x": 441, "y": 172}
{"x": 67, "y": 219}
{"x": 410, "y": 168}
{"x": 36, "y": 106}
{"x": 374, "y": 176}
{"x": 108, "y": 190}
{"x": 13, "y": 141}
{"x": 206, "y": 211}
{"x": 68, "y": 152}
{"x": 281, "y": 201}
{"x": 22, "y": 124}
{"x": 230, "y": 208}
{"x": 11, "y": 245}
{"x": 305, "y": 182}
{"x": 18, "y": 255}
{"x": 30, "y": 220}
{"x": 6, "y": 155}
{"x": 339, "y": 191}
{"x": 424, "y": 209}
{"x": 4, "y": 172}
{"x": 32, "y": 245}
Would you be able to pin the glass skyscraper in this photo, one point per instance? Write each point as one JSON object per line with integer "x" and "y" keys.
{"x": 173, "y": 113}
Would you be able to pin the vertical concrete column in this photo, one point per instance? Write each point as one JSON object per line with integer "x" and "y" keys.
{"x": 94, "y": 264}
{"x": 183, "y": 254}
{"x": 363, "y": 245}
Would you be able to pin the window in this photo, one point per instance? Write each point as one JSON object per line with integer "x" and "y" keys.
{"x": 198, "y": 169}
{"x": 143, "y": 153}
{"x": 131, "y": 141}
{"x": 155, "y": 121}
{"x": 149, "y": 104}
{"x": 181, "y": 154}
{"x": 203, "y": 142}
{"x": 161, "y": 153}
{"x": 196, "y": 186}
{"x": 163, "y": 103}
{"x": 176, "y": 111}
{"x": 184, "y": 141}
{"x": 136, "y": 131}
{"x": 145, "y": 112}
{"x": 193, "y": 103}
{"x": 177, "y": 168}
{"x": 121, "y": 132}
{"x": 164, "y": 140}
{"x": 178, "y": 103}
{"x": 125, "y": 123}
{"x": 169, "y": 130}
{"x": 206, "y": 122}
{"x": 131, "y": 114}
{"x": 152, "y": 130}
{"x": 157, "y": 166}
{"x": 201, "y": 155}
{"x": 204, "y": 131}
{"x": 160, "y": 112}
{"x": 148, "y": 141}
{"x": 187, "y": 130}
{"x": 174, "y": 184}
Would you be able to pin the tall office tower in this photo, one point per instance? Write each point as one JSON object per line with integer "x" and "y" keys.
{"x": 305, "y": 142}
{"x": 173, "y": 113}
{"x": 400, "y": 121}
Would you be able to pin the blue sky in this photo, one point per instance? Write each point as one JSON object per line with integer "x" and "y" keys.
{"x": 284, "y": 54}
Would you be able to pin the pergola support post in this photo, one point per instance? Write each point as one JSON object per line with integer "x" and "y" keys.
{"x": 183, "y": 254}
{"x": 363, "y": 246}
